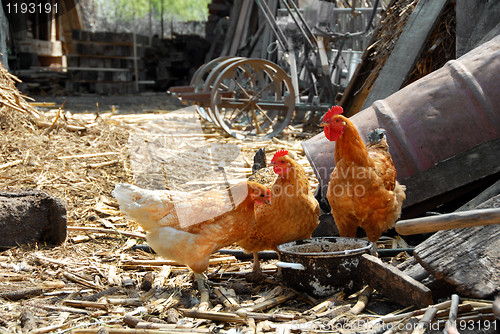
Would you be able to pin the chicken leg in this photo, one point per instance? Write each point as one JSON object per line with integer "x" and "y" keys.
{"x": 256, "y": 276}
{"x": 202, "y": 288}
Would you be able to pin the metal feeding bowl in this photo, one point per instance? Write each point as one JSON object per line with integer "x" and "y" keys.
{"x": 323, "y": 266}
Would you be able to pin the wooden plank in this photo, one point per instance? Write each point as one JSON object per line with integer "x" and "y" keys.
{"x": 465, "y": 168}
{"x": 136, "y": 68}
{"x": 112, "y": 43}
{"x": 468, "y": 258}
{"x": 407, "y": 50}
{"x": 97, "y": 69}
{"x": 69, "y": 21}
{"x": 233, "y": 20}
{"x": 475, "y": 19}
{"x": 240, "y": 25}
{"x": 393, "y": 283}
{"x": 485, "y": 195}
{"x": 104, "y": 81}
{"x": 440, "y": 288}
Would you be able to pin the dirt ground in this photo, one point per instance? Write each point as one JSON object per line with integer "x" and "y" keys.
{"x": 124, "y": 104}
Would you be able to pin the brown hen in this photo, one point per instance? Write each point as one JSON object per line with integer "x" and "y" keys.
{"x": 293, "y": 215}
{"x": 363, "y": 190}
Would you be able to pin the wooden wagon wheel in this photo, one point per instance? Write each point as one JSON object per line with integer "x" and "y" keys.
{"x": 211, "y": 77}
{"x": 253, "y": 97}
{"x": 203, "y": 71}
{"x": 198, "y": 81}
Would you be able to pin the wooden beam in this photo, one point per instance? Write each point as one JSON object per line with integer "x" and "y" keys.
{"x": 393, "y": 283}
{"x": 240, "y": 25}
{"x": 180, "y": 89}
{"x": 233, "y": 20}
{"x": 407, "y": 50}
{"x": 485, "y": 195}
{"x": 469, "y": 166}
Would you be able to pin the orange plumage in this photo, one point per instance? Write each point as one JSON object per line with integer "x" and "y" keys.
{"x": 293, "y": 215}
{"x": 363, "y": 190}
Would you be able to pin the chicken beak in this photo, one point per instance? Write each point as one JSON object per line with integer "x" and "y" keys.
{"x": 323, "y": 124}
{"x": 268, "y": 197}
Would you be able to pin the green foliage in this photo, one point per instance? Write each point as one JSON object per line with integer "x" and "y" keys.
{"x": 185, "y": 10}
{"x": 177, "y": 10}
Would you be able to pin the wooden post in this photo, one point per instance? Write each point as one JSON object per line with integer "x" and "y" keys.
{"x": 136, "y": 70}
{"x": 408, "y": 48}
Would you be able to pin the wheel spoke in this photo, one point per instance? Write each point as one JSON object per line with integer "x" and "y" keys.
{"x": 264, "y": 113}
{"x": 257, "y": 127}
{"x": 242, "y": 89}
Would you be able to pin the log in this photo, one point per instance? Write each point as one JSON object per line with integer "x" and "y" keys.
{"x": 413, "y": 269}
{"x": 394, "y": 284}
{"x": 448, "y": 221}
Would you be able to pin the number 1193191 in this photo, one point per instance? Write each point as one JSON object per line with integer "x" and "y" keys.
{"x": 31, "y": 8}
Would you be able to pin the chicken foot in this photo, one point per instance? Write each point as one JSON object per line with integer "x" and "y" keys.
{"x": 256, "y": 276}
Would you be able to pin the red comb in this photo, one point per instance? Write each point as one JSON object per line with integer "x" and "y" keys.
{"x": 280, "y": 153}
{"x": 269, "y": 191}
{"x": 335, "y": 110}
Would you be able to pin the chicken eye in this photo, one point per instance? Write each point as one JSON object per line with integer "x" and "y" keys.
{"x": 261, "y": 195}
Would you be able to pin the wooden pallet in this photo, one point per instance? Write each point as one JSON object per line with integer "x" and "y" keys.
{"x": 107, "y": 63}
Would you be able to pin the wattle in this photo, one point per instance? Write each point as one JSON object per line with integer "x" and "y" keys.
{"x": 279, "y": 170}
{"x": 331, "y": 134}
